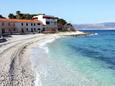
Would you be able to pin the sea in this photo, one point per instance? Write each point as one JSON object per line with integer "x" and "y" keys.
{"x": 76, "y": 60}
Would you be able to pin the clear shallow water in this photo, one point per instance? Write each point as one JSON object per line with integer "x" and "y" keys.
{"x": 78, "y": 61}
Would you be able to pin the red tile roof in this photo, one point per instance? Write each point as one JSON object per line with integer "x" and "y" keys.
{"x": 50, "y": 17}
{"x": 20, "y": 20}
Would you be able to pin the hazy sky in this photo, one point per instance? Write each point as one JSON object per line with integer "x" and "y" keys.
{"x": 75, "y": 11}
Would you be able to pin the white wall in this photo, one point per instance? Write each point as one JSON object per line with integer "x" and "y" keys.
{"x": 53, "y": 22}
{"x": 40, "y": 18}
{"x": 29, "y": 27}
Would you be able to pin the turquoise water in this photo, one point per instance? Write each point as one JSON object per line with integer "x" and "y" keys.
{"x": 80, "y": 61}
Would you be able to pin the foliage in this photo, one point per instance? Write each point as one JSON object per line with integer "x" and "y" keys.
{"x": 61, "y": 21}
{"x": 1, "y": 16}
{"x": 20, "y": 15}
{"x": 18, "y": 12}
{"x": 11, "y": 16}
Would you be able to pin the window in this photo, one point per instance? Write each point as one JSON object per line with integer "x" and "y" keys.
{"x": 3, "y": 30}
{"x": 31, "y": 29}
{"x": 22, "y": 30}
{"x": 26, "y": 24}
{"x": 38, "y": 28}
{"x": 27, "y": 29}
{"x": 34, "y": 29}
{"x": 14, "y": 29}
{"x": 43, "y": 29}
{"x": 22, "y": 24}
{"x": 38, "y": 23}
{"x": 31, "y": 24}
{"x": 34, "y": 24}
{"x": 47, "y": 22}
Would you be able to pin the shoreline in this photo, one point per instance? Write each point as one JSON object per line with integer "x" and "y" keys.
{"x": 41, "y": 45}
{"x": 15, "y": 65}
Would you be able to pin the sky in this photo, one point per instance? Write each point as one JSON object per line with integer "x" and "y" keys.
{"x": 74, "y": 11}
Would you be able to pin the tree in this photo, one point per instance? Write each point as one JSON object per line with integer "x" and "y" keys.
{"x": 2, "y": 16}
{"x": 18, "y": 12}
{"x": 28, "y": 16}
{"x": 20, "y": 15}
{"x": 61, "y": 21}
{"x": 11, "y": 16}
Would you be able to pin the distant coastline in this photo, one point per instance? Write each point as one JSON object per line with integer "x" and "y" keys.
{"x": 98, "y": 26}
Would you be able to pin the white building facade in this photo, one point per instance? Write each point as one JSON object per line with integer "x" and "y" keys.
{"x": 29, "y": 27}
{"x": 50, "y": 22}
{"x": 18, "y": 26}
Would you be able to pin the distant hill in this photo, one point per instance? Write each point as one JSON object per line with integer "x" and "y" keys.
{"x": 99, "y": 26}
{"x": 111, "y": 24}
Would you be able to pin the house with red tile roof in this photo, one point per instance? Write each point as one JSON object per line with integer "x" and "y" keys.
{"x": 20, "y": 26}
{"x": 38, "y": 24}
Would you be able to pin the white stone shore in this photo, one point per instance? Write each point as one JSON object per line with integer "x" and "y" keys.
{"x": 15, "y": 64}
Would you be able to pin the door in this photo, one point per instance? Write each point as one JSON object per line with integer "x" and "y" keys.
{"x": 3, "y": 31}
{"x": 31, "y": 29}
{"x": 22, "y": 30}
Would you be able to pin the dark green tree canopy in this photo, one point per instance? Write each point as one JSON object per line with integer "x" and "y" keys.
{"x": 20, "y": 15}
{"x": 2, "y": 16}
{"x": 61, "y": 21}
{"x": 11, "y": 16}
{"x": 18, "y": 12}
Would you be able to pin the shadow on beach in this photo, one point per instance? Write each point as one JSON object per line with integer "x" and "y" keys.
{"x": 2, "y": 40}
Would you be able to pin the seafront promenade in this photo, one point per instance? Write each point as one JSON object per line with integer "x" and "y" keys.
{"x": 15, "y": 64}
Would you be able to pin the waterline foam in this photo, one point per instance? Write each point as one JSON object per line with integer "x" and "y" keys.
{"x": 38, "y": 54}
